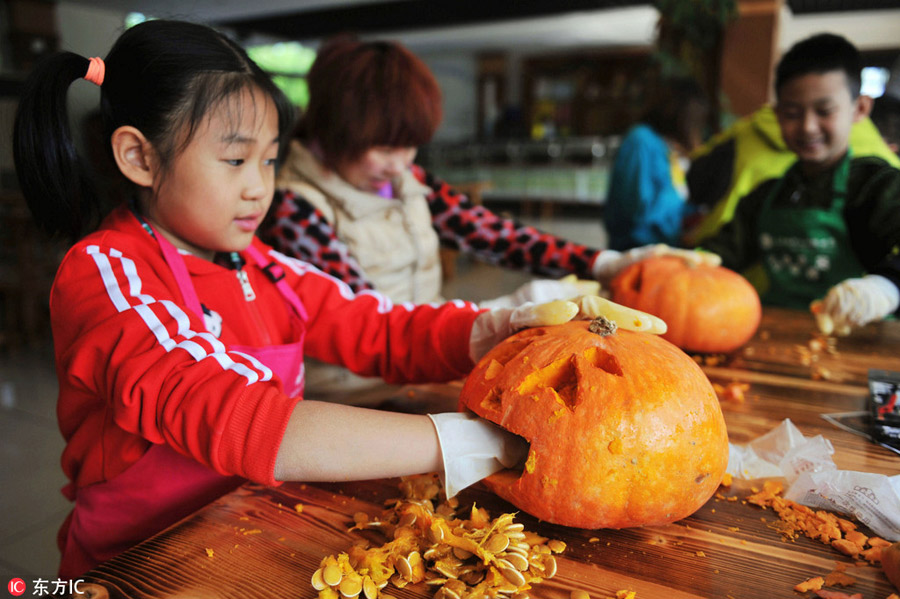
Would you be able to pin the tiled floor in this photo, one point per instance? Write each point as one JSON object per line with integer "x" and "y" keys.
{"x": 31, "y": 505}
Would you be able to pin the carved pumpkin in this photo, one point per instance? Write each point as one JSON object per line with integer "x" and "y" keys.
{"x": 707, "y": 308}
{"x": 624, "y": 429}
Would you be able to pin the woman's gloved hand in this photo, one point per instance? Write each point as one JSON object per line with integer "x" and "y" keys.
{"x": 544, "y": 290}
{"x": 854, "y": 303}
{"x": 609, "y": 263}
{"x": 593, "y": 306}
{"x": 473, "y": 448}
{"x": 493, "y": 326}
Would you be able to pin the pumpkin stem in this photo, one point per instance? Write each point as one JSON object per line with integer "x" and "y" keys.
{"x": 602, "y": 326}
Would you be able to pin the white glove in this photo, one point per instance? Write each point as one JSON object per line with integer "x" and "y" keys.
{"x": 854, "y": 303}
{"x": 473, "y": 448}
{"x": 544, "y": 290}
{"x": 493, "y": 326}
{"x": 609, "y": 263}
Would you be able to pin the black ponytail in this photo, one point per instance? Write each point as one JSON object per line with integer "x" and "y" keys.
{"x": 52, "y": 177}
{"x": 162, "y": 77}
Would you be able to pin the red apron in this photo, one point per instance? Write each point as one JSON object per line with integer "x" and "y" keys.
{"x": 164, "y": 486}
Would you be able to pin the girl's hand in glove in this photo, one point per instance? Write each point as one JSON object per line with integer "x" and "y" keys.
{"x": 854, "y": 303}
{"x": 472, "y": 448}
{"x": 609, "y": 263}
{"x": 493, "y": 326}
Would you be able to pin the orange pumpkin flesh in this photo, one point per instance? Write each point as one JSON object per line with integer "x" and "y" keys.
{"x": 890, "y": 563}
{"x": 624, "y": 430}
{"x": 707, "y": 308}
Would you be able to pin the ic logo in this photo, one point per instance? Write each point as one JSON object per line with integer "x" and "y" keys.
{"x": 16, "y": 587}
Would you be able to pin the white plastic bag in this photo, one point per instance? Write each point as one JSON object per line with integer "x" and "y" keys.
{"x": 814, "y": 480}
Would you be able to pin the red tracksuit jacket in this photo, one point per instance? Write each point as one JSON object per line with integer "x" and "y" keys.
{"x": 136, "y": 367}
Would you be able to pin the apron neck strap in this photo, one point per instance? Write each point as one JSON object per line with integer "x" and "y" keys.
{"x": 275, "y": 272}
{"x": 177, "y": 266}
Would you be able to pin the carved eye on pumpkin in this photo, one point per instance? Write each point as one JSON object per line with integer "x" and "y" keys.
{"x": 624, "y": 430}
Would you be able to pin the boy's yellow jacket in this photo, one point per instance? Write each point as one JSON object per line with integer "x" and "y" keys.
{"x": 755, "y": 150}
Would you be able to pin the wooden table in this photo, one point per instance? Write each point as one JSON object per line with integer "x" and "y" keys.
{"x": 262, "y": 546}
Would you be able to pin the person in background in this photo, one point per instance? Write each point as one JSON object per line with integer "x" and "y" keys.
{"x": 351, "y": 202}
{"x": 729, "y": 165}
{"x": 647, "y": 198}
{"x": 829, "y": 228}
{"x": 179, "y": 336}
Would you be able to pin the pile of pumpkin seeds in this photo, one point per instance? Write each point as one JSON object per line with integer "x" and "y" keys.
{"x": 461, "y": 558}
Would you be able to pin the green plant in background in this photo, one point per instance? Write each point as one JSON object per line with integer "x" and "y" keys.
{"x": 699, "y": 22}
{"x": 690, "y": 43}
{"x": 288, "y": 63}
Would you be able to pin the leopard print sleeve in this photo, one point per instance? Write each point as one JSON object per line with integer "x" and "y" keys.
{"x": 297, "y": 229}
{"x": 504, "y": 242}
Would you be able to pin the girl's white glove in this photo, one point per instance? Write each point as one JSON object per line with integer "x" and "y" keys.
{"x": 609, "y": 263}
{"x": 854, "y": 303}
{"x": 493, "y": 326}
{"x": 473, "y": 448}
{"x": 544, "y": 290}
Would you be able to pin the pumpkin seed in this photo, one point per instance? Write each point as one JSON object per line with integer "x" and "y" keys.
{"x": 517, "y": 561}
{"x": 351, "y": 586}
{"x": 472, "y": 577}
{"x": 549, "y": 566}
{"x": 461, "y": 553}
{"x": 435, "y": 534}
{"x": 507, "y": 589}
{"x": 579, "y": 594}
{"x": 497, "y": 543}
{"x": 446, "y": 593}
{"x": 369, "y": 589}
{"x": 332, "y": 575}
{"x": 432, "y": 554}
{"x": 448, "y": 570}
{"x": 407, "y": 519}
{"x": 512, "y": 575}
{"x": 556, "y": 546}
{"x": 403, "y": 568}
{"x": 318, "y": 582}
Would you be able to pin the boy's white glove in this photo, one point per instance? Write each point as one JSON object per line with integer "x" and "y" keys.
{"x": 854, "y": 303}
{"x": 544, "y": 290}
{"x": 609, "y": 263}
{"x": 473, "y": 448}
{"x": 493, "y": 326}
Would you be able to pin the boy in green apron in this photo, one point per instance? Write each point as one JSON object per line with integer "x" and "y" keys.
{"x": 830, "y": 226}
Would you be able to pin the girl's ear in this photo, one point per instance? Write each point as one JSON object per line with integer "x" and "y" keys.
{"x": 134, "y": 155}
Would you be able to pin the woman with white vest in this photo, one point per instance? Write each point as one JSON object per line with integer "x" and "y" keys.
{"x": 350, "y": 201}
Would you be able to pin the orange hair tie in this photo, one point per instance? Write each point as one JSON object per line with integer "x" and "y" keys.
{"x": 96, "y": 71}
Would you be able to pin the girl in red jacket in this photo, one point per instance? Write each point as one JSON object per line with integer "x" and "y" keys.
{"x": 179, "y": 336}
